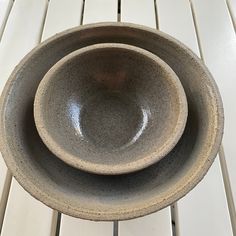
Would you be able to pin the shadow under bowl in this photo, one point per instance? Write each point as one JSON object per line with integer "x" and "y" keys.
{"x": 110, "y": 109}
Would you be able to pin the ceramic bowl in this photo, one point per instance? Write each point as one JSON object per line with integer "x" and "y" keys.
{"x": 110, "y": 109}
{"x": 114, "y": 197}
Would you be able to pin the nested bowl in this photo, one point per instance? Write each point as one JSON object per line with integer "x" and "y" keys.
{"x": 115, "y": 197}
{"x": 110, "y": 109}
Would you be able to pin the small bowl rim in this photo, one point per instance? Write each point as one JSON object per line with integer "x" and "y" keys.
{"x": 110, "y": 169}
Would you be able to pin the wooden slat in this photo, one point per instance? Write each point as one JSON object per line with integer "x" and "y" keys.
{"x": 24, "y": 215}
{"x": 73, "y": 227}
{"x": 204, "y": 211}
{"x": 151, "y": 225}
{"x": 94, "y": 11}
{"x": 139, "y": 12}
{"x": 5, "y": 183}
{"x": 62, "y": 15}
{"x": 100, "y": 10}
{"x": 5, "y": 7}
{"x": 143, "y": 12}
{"x": 175, "y": 19}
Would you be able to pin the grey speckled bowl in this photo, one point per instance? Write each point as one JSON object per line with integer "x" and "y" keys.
{"x": 110, "y": 109}
{"x": 115, "y": 197}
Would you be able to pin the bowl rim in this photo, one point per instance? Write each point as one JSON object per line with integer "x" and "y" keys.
{"x": 122, "y": 168}
{"x": 186, "y": 184}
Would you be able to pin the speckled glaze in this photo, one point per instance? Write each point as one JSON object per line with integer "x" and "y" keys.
{"x": 115, "y": 197}
{"x": 110, "y": 109}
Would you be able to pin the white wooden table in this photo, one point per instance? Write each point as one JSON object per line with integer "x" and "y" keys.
{"x": 207, "y": 27}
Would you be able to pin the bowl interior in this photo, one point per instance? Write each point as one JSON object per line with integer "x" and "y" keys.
{"x": 110, "y": 108}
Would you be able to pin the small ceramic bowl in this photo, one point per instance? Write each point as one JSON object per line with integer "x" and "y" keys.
{"x": 110, "y": 109}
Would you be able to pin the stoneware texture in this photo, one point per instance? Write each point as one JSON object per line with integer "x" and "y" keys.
{"x": 115, "y": 197}
{"x": 110, "y": 109}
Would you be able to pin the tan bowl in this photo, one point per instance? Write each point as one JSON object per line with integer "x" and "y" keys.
{"x": 114, "y": 197}
{"x": 110, "y": 109}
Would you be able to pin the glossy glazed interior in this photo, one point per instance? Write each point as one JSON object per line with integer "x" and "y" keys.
{"x": 96, "y": 197}
{"x": 110, "y": 109}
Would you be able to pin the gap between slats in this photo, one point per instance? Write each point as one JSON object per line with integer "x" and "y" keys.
{"x": 115, "y": 228}
{"x": 232, "y": 13}
{"x": 118, "y": 10}
{"x": 174, "y": 219}
{"x": 2, "y": 27}
{"x": 156, "y": 16}
{"x": 58, "y": 225}
{"x": 228, "y": 190}
{"x": 3, "y": 203}
{"x": 82, "y": 13}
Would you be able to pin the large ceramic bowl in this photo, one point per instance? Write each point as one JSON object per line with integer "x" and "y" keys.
{"x": 99, "y": 197}
{"x": 110, "y": 109}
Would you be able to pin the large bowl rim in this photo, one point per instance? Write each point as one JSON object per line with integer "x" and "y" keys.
{"x": 186, "y": 184}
